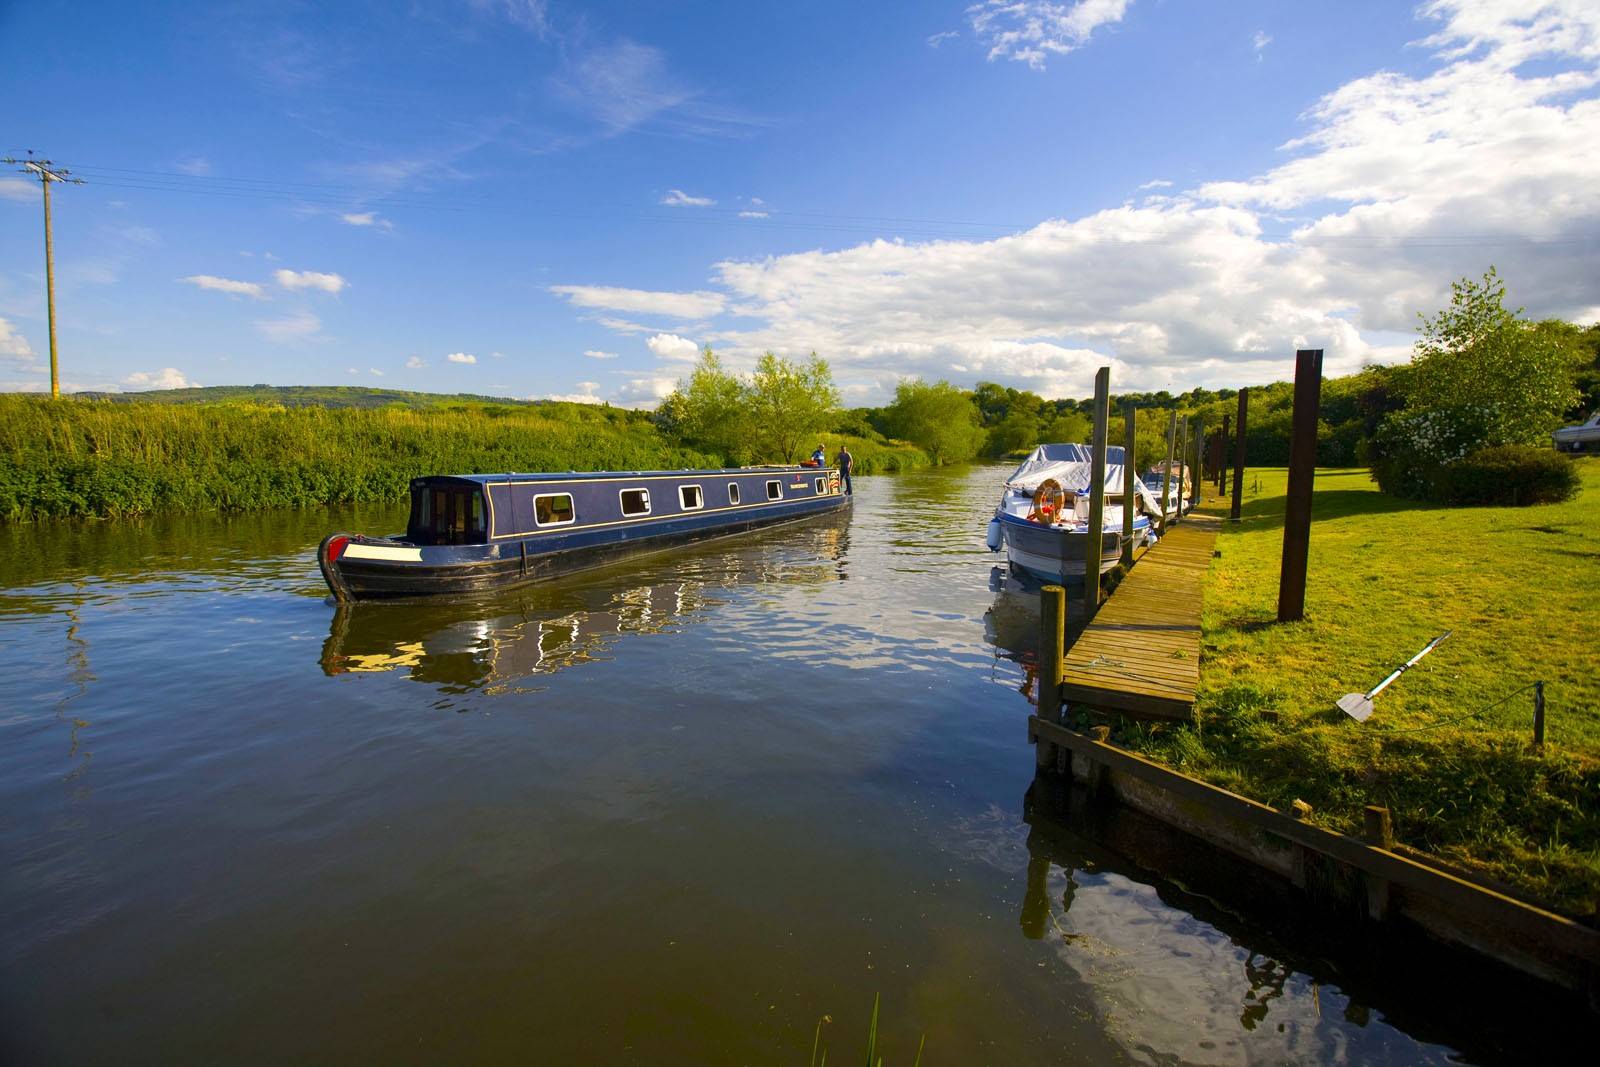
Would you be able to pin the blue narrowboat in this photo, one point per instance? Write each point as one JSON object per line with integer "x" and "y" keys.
{"x": 475, "y": 532}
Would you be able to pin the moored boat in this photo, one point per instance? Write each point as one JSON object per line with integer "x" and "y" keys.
{"x": 1042, "y": 520}
{"x": 469, "y": 533}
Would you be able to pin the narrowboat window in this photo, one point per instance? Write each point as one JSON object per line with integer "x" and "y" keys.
{"x": 445, "y": 516}
{"x": 636, "y": 501}
{"x": 774, "y": 490}
{"x": 733, "y": 492}
{"x": 817, "y": 484}
{"x": 690, "y": 496}
{"x": 553, "y": 509}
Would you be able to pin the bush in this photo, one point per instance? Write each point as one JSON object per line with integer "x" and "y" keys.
{"x": 1511, "y": 475}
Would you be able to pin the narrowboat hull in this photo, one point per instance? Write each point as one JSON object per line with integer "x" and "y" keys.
{"x": 366, "y": 568}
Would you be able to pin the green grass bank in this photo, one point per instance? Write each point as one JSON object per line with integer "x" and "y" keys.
{"x": 1448, "y": 749}
{"x": 82, "y": 457}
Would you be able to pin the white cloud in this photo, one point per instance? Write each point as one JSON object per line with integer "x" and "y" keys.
{"x": 624, "y": 85}
{"x": 694, "y": 305}
{"x": 1029, "y": 30}
{"x": 18, "y": 189}
{"x": 165, "y": 378}
{"x": 351, "y": 370}
{"x": 679, "y": 198}
{"x": 1399, "y": 184}
{"x": 226, "y": 285}
{"x": 199, "y": 166}
{"x": 670, "y": 346}
{"x": 752, "y": 214}
{"x": 461, "y": 357}
{"x": 1157, "y": 183}
{"x": 300, "y": 326}
{"x": 644, "y": 392}
{"x": 937, "y": 39}
{"x": 415, "y": 363}
{"x": 375, "y": 372}
{"x": 13, "y": 345}
{"x": 366, "y": 218}
{"x": 595, "y": 353}
{"x": 310, "y": 279}
{"x": 588, "y": 393}
{"x": 1260, "y": 41}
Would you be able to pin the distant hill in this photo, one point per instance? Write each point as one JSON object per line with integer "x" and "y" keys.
{"x": 306, "y": 396}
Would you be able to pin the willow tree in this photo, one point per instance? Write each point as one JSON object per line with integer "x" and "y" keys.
{"x": 789, "y": 405}
{"x": 940, "y": 419}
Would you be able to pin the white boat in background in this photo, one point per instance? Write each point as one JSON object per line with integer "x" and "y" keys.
{"x": 1176, "y": 482}
{"x": 1042, "y": 520}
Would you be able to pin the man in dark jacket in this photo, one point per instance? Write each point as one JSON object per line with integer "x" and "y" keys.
{"x": 844, "y": 461}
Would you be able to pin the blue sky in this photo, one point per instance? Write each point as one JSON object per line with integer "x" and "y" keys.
{"x": 579, "y": 196}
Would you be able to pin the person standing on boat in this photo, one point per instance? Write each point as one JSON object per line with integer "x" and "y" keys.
{"x": 844, "y": 460}
{"x": 819, "y": 457}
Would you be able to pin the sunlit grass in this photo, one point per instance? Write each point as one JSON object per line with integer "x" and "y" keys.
{"x": 1519, "y": 588}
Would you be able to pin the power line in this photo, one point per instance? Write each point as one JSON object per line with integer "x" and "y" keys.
{"x": 46, "y": 171}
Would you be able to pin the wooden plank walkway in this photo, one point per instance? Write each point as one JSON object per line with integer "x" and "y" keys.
{"x": 1141, "y": 654}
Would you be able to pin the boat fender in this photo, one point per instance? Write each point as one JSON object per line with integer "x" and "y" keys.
{"x": 994, "y": 535}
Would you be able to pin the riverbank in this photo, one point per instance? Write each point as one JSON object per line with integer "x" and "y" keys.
{"x": 97, "y": 458}
{"x": 1455, "y": 767}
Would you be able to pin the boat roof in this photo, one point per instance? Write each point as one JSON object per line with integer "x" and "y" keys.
{"x": 569, "y": 476}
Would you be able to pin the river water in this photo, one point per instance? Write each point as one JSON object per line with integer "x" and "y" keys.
{"x": 672, "y": 812}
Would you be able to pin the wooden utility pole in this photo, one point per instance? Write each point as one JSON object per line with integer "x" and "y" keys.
{"x": 1302, "y": 474}
{"x": 1095, "y": 535}
{"x": 1238, "y": 456}
{"x": 46, "y": 171}
{"x": 1130, "y": 496}
{"x": 1166, "y": 471}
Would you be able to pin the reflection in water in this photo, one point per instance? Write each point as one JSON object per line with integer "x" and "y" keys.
{"x": 801, "y": 799}
{"x": 496, "y": 643}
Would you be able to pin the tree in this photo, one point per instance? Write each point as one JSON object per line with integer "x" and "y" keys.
{"x": 1482, "y": 377}
{"x": 1501, "y": 379}
{"x": 939, "y": 418}
{"x": 710, "y": 409}
{"x": 789, "y": 405}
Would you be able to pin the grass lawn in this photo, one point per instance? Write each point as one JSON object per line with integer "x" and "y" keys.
{"x": 1520, "y": 588}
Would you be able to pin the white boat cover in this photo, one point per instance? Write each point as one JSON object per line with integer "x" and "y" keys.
{"x": 1070, "y": 466}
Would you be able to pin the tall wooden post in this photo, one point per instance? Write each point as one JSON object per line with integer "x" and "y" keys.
{"x": 1302, "y": 474}
{"x": 1052, "y": 634}
{"x": 1222, "y": 461}
{"x": 1166, "y": 472}
{"x": 1183, "y": 462}
{"x": 1095, "y": 534}
{"x": 1130, "y": 473}
{"x": 1238, "y": 456}
{"x": 1199, "y": 462}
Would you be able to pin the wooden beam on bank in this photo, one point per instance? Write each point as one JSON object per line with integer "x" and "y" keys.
{"x": 1447, "y": 905}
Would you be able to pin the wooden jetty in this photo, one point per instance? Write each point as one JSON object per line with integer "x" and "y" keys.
{"x": 1140, "y": 654}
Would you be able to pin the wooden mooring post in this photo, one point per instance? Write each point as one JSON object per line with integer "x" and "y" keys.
{"x": 1052, "y": 636}
{"x": 1222, "y": 461}
{"x": 1166, "y": 471}
{"x": 1238, "y": 456}
{"x": 1094, "y": 536}
{"x": 1196, "y": 476}
{"x": 1302, "y": 475}
{"x": 1130, "y": 473}
{"x": 1183, "y": 463}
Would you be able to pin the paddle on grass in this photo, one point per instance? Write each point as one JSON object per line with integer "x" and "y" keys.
{"x": 1359, "y": 705}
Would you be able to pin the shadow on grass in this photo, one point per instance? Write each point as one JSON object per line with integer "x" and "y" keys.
{"x": 1267, "y": 512}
